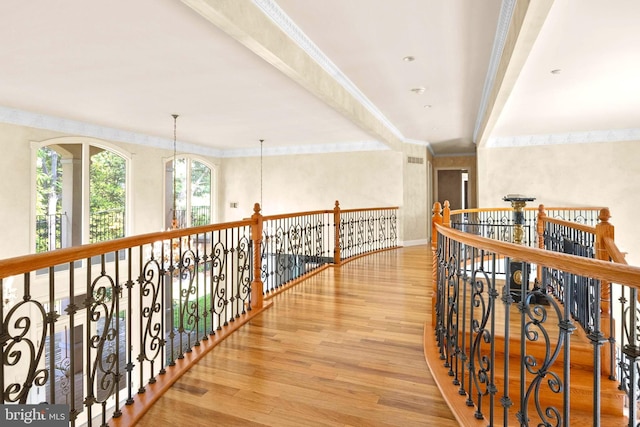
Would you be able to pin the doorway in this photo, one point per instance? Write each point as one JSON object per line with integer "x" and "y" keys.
{"x": 453, "y": 185}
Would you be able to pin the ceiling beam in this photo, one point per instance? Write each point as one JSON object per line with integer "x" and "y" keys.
{"x": 527, "y": 20}
{"x": 248, "y": 24}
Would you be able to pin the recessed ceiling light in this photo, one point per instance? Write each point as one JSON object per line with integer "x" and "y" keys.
{"x": 427, "y": 106}
{"x": 556, "y": 71}
{"x": 409, "y": 58}
{"x": 418, "y": 90}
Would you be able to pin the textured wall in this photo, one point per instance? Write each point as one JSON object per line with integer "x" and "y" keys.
{"x": 298, "y": 183}
{"x": 415, "y": 212}
{"x": 595, "y": 174}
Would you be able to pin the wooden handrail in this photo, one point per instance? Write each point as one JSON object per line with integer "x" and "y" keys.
{"x": 26, "y": 263}
{"x": 570, "y": 224}
{"x": 613, "y": 251}
{"x": 617, "y": 273}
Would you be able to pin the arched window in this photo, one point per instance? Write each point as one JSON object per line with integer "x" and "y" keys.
{"x": 67, "y": 169}
{"x": 193, "y": 192}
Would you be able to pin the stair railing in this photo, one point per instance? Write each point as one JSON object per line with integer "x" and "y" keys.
{"x": 474, "y": 303}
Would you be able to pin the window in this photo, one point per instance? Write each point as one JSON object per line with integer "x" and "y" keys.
{"x": 192, "y": 185}
{"x": 107, "y": 196}
{"x": 64, "y": 172}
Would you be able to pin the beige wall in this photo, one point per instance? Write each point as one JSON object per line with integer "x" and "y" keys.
{"x": 594, "y": 174}
{"x": 298, "y": 183}
{"x": 415, "y": 211}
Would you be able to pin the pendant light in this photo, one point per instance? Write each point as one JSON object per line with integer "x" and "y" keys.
{"x": 261, "y": 207}
{"x": 174, "y": 221}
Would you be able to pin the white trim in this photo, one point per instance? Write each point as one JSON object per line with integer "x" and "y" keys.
{"x": 504, "y": 21}
{"x": 472, "y": 154}
{"x": 74, "y": 127}
{"x": 79, "y": 130}
{"x": 308, "y": 149}
{"x": 586, "y": 137}
{"x": 271, "y": 9}
{"x": 415, "y": 242}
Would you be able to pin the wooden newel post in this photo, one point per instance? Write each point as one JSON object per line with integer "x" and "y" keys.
{"x": 336, "y": 245}
{"x": 604, "y": 230}
{"x": 540, "y": 226}
{"x": 256, "y": 238}
{"x": 446, "y": 214}
{"x": 436, "y": 219}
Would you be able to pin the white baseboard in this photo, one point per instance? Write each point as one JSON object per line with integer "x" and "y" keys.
{"x": 415, "y": 242}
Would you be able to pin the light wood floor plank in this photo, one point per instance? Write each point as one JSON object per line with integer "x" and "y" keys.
{"x": 343, "y": 348}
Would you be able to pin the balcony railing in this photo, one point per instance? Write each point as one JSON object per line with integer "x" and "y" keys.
{"x": 104, "y": 327}
{"x": 49, "y": 231}
{"x": 200, "y": 215}
{"x": 531, "y": 335}
{"x": 106, "y": 225}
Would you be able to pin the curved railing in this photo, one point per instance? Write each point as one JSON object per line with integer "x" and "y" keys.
{"x": 509, "y": 320}
{"x": 105, "y": 328}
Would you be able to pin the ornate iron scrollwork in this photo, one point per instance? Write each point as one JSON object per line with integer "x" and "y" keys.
{"x": 19, "y": 350}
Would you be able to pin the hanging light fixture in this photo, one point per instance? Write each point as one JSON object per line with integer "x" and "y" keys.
{"x": 261, "y": 142}
{"x": 174, "y": 220}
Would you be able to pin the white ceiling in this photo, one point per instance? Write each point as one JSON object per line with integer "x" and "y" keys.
{"x": 119, "y": 69}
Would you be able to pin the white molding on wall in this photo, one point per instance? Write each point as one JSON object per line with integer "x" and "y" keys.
{"x": 415, "y": 242}
{"x": 586, "y": 137}
{"x": 73, "y": 127}
{"x": 346, "y": 147}
{"x": 76, "y": 128}
{"x": 504, "y": 21}
{"x": 271, "y": 9}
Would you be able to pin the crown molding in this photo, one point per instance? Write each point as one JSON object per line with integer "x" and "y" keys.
{"x": 586, "y": 137}
{"x": 504, "y": 21}
{"x": 347, "y": 147}
{"x": 472, "y": 154}
{"x": 271, "y": 9}
{"x": 73, "y": 127}
{"x": 77, "y": 128}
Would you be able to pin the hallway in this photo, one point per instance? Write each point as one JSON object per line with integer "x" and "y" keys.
{"x": 343, "y": 348}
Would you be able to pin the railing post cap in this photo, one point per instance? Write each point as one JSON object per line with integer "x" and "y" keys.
{"x": 604, "y": 215}
{"x": 541, "y": 209}
{"x": 256, "y": 208}
{"x": 337, "y": 206}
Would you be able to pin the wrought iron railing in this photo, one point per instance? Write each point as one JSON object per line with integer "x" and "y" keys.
{"x": 498, "y": 223}
{"x": 363, "y": 231}
{"x": 106, "y": 225}
{"x": 200, "y": 215}
{"x": 295, "y": 245}
{"x": 101, "y": 325}
{"x": 528, "y": 374}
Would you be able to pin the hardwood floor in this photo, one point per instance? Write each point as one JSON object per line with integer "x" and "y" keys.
{"x": 343, "y": 348}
